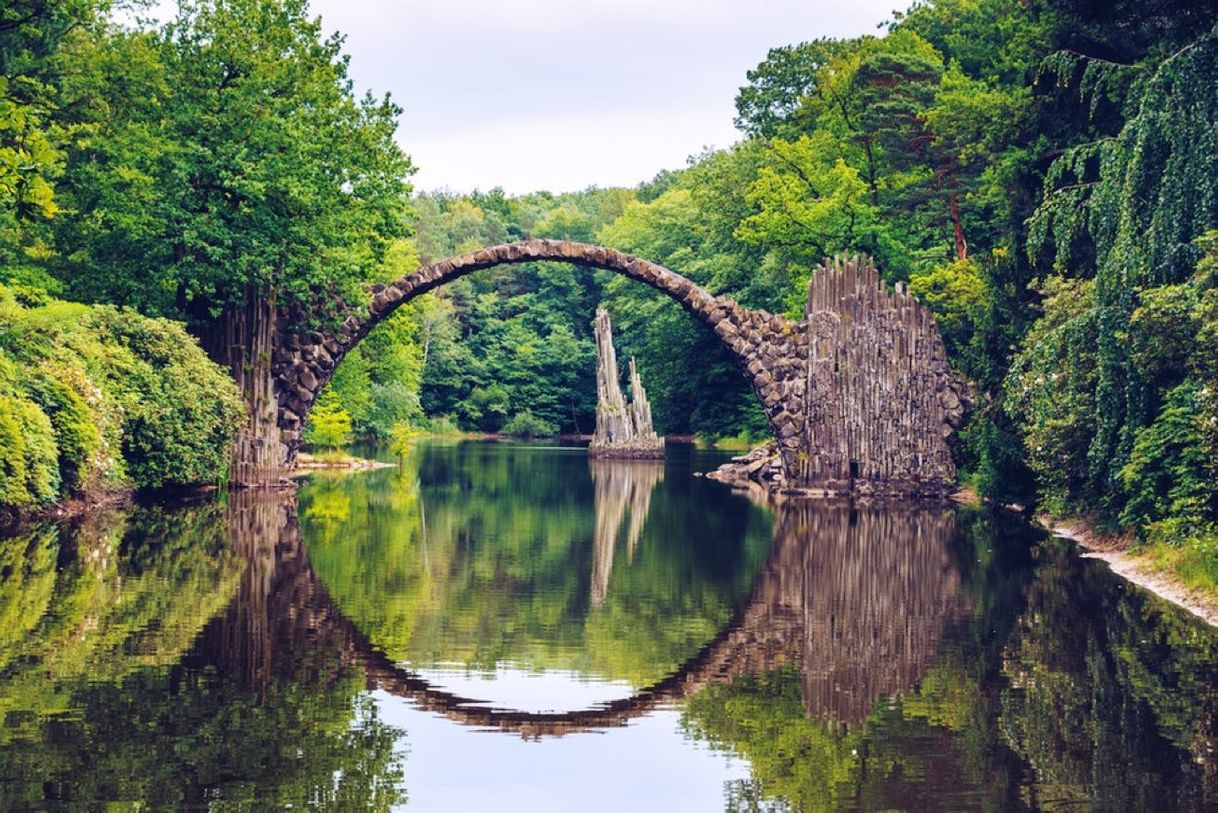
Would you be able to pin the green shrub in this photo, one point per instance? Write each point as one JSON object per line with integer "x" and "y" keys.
{"x": 180, "y": 408}
{"x": 441, "y": 426}
{"x": 392, "y": 403}
{"x": 329, "y": 425}
{"x": 99, "y": 395}
{"x": 77, "y": 436}
{"x": 1167, "y": 475}
{"x": 28, "y": 472}
{"x": 527, "y": 425}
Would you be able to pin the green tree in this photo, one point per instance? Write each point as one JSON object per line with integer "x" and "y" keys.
{"x": 329, "y": 424}
{"x": 34, "y": 130}
{"x": 1128, "y": 211}
{"x": 236, "y": 163}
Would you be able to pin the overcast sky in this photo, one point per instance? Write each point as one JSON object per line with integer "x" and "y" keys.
{"x": 560, "y": 95}
{"x": 547, "y": 94}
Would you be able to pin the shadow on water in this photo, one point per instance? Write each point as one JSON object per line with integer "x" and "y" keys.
{"x": 856, "y": 658}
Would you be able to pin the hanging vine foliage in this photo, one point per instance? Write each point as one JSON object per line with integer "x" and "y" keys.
{"x": 1138, "y": 203}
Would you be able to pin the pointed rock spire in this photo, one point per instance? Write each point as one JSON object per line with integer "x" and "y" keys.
{"x": 622, "y": 429}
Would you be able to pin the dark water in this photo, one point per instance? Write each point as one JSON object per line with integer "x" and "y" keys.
{"x": 509, "y": 627}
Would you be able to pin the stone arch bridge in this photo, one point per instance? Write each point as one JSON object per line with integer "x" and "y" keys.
{"x": 858, "y": 393}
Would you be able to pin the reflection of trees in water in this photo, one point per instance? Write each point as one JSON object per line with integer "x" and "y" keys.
{"x": 95, "y": 600}
{"x": 503, "y": 568}
{"x": 621, "y": 487}
{"x": 845, "y": 595}
{"x": 1010, "y": 682}
{"x": 1099, "y": 695}
{"x": 263, "y": 710}
{"x": 1036, "y": 680}
{"x": 1112, "y": 694}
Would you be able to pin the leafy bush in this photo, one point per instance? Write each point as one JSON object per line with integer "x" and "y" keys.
{"x": 28, "y": 474}
{"x": 95, "y": 396}
{"x": 953, "y": 292}
{"x": 392, "y": 403}
{"x": 527, "y": 425}
{"x": 1050, "y": 392}
{"x": 180, "y": 409}
{"x": 442, "y": 426}
{"x": 403, "y": 438}
{"x": 487, "y": 407}
{"x": 1166, "y": 476}
{"x": 77, "y": 437}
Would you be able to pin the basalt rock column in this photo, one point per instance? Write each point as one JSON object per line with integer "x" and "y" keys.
{"x": 622, "y": 430}
{"x": 881, "y": 399}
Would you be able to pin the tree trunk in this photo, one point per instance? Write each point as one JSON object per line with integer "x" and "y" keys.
{"x": 242, "y": 341}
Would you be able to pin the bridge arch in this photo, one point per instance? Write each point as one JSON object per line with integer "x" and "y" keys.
{"x": 761, "y": 343}
{"x": 858, "y": 394}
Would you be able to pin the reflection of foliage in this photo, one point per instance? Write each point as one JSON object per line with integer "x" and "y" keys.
{"x": 1063, "y": 687}
{"x": 28, "y": 562}
{"x": 135, "y": 592}
{"x": 793, "y": 757}
{"x": 116, "y": 683}
{"x": 196, "y": 739}
{"x": 330, "y": 508}
{"x": 899, "y": 759}
{"x": 482, "y": 553}
{"x": 1111, "y": 700}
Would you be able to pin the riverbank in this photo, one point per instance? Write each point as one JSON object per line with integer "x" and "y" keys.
{"x": 1140, "y": 566}
{"x": 68, "y": 509}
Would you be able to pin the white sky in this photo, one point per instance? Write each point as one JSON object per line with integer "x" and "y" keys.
{"x": 547, "y": 94}
{"x": 566, "y": 94}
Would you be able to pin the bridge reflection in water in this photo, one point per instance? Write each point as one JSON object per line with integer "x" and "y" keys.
{"x": 856, "y": 599}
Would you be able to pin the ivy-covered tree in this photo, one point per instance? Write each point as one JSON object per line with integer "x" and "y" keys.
{"x": 233, "y": 170}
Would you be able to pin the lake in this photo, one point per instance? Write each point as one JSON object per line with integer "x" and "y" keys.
{"x": 511, "y": 626}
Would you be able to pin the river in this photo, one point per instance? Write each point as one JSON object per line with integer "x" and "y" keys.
{"x": 510, "y": 626}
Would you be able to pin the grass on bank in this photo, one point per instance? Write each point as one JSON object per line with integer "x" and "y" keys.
{"x": 1192, "y": 560}
{"x": 740, "y": 442}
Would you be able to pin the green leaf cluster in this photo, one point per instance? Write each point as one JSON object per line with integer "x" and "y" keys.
{"x": 1132, "y": 213}
{"x": 97, "y": 396}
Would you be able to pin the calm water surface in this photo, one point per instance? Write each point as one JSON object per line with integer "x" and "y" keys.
{"x": 496, "y": 626}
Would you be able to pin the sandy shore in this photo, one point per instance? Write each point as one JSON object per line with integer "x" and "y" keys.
{"x": 1137, "y": 570}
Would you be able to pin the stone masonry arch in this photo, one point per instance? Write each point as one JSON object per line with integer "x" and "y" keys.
{"x": 858, "y": 393}
{"x": 302, "y": 364}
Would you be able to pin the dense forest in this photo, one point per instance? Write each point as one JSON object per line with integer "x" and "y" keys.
{"x": 1043, "y": 174}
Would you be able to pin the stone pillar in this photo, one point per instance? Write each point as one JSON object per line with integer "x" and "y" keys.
{"x": 622, "y": 430}
{"x": 881, "y": 399}
{"x": 242, "y": 340}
